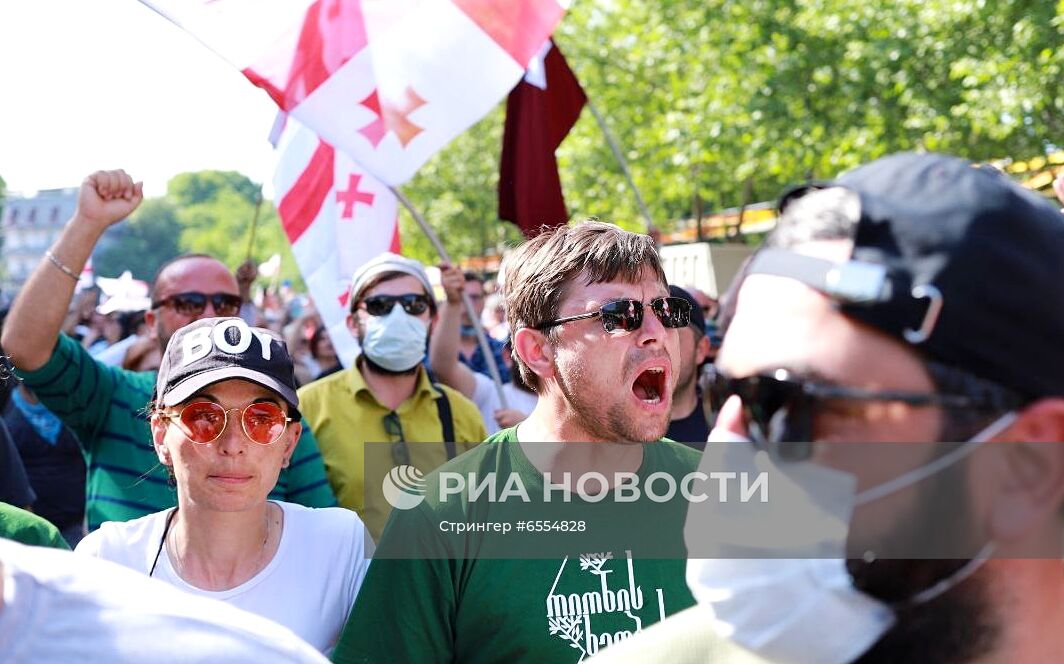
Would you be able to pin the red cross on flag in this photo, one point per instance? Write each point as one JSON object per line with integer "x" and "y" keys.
{"x": 337, "y": 216}
{"x": 388, "y": 82}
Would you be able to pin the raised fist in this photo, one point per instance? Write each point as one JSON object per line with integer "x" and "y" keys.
{"x": 247, "y": 273}
{"x": 107, "y": 197}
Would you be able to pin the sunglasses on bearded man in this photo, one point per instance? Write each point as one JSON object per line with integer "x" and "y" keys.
{"x": 381, "y": 305}
{"x": 780, "y": 407}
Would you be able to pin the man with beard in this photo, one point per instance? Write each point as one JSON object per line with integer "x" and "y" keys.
{"x": 105, "y": 405}
{"x": 689, "y": 424}
{"x": 914, "y": 300}
{"x": 387, "y": 395}
{"x": 595, "y": 334}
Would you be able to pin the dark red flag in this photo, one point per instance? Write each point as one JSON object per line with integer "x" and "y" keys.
{"x": 539, "y": 113}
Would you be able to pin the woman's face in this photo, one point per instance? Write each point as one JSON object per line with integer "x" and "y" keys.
{"x": 232, "y": 473}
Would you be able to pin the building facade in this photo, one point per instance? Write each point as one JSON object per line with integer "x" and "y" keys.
{"x": 30, "y": 226}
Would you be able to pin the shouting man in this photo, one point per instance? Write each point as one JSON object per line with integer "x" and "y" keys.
{"x": 596, "y": 335}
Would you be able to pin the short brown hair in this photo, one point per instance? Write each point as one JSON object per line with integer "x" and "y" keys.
{"x": 539, "y": 271}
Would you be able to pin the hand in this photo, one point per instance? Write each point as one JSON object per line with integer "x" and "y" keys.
{"x": 246, "y": 274}
{"x": 1058, "y": 188}
{"x": 508, "y": 417}
{"x": 107, "y": 197}
{"x": 453, "y": 281}
{"x": 85, "y": 305}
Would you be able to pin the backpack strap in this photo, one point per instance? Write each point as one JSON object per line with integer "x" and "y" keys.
{"x": 443, "y": 409}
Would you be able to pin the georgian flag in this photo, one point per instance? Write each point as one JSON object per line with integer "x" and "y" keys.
{"x": 336, "y": 217}
{"x": 381, "y": 83}
{"x": 387, "y": 82}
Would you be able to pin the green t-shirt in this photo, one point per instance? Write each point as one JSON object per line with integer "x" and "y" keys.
{"x": 432, "y": 596}
{"x": 105, "y": 407}
{"x": 26, "y": 527}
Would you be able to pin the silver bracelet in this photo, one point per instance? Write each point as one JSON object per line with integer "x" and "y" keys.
{"x": 59, "y": 264}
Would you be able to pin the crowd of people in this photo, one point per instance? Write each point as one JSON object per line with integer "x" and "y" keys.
{"x": 911, "y": 300}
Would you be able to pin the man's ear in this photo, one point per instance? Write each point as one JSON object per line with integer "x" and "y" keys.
{"x": 150, "y": 319}
{"x": 535, "y": 350}
{"x": 158, "y": 438}
{"x": 1028, "y": 477}
{"x": 702, "y": 349}
{"x": 352, "y": 324}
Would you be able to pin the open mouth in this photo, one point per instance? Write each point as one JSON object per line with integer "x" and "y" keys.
{"x": 649, "y": 386}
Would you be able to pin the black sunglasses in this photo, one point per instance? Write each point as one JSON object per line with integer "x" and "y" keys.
{"x": 400, "y": 451}
{"x": 627, "y": 315}
{"x": 780, "y": 407}
{"x": 195, "y": 303}
{"x": 382, "y": 305}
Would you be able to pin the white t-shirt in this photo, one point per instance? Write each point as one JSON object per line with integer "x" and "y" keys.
{"x": 61, "y": 607}
{"x": 486, "y": 399}
{"x": 309, "y": 586}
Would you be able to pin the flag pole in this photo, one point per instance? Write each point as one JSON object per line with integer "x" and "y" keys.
{"x": 482, "y": 339}
{"x": 623, "y": 164}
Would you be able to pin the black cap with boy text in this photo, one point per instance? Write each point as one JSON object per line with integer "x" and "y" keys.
{"x": 211, "y": 350}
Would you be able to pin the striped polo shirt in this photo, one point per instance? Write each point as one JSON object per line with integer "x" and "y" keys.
{"x": 106, "y": 407}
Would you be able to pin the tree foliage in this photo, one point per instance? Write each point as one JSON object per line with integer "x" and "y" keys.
{"x": 724, "y": 100}
{"x": 186, "y": 189}
{"x": 207, "y": 212}
{"x": 216, "y": 210}
{"x": 140, "y": 244}
{"x": 706, "y": 96}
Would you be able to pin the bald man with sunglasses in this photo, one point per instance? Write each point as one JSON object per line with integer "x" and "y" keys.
{"x": 104, "y": 405}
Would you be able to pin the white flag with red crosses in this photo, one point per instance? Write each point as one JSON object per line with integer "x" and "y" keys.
{"x": 387, "y": 82}
{"x": 337, "y": 217}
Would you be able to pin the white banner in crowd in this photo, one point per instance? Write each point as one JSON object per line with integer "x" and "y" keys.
{"x": 337, "y": 217}
{"x": 388, "y": 82}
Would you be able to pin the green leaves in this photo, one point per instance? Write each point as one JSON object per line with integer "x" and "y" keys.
{"x": 140, "y": 244}
{"x": 703, "y": 95}
{"x": 207, "y": 212}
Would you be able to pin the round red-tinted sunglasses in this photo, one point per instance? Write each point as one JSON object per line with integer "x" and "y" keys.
{"x": 204, "y": 421}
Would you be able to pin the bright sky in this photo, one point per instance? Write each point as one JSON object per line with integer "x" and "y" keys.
{"x": 94, "y": 84}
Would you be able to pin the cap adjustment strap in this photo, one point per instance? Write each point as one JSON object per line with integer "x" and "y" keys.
{"x": 868, "y": 291}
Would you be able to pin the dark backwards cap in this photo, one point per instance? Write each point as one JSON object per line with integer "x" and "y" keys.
{"x": 955, "y": 260}
{"x": 211, "y": 350}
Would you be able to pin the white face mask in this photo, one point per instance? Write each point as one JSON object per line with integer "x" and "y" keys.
{"x": 396, "y": 341}
{"x": 798, "y": 610}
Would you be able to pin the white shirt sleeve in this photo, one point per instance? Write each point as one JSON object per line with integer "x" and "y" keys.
{"x": 486, "y": 400}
